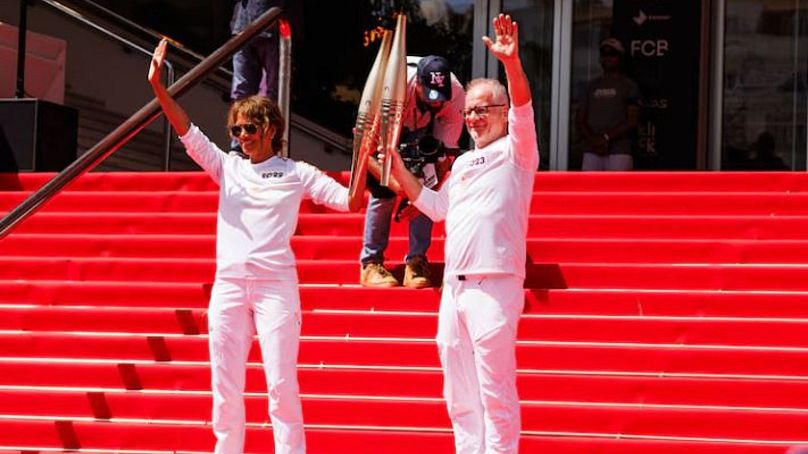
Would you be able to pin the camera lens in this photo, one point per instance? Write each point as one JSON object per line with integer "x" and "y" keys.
{"x": 428, "y": 145}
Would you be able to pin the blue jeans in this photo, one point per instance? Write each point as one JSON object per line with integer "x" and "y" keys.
{"x": 377, "y": 232}
{"x": 255, "y": 69}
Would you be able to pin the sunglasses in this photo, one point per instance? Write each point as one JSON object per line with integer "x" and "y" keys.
{"x": 249, "y": 128}
{"x": 480, "y": 111}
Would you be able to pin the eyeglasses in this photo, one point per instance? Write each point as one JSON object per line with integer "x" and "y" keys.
{"x": 249, "y": 128}
{"x": 480, "y": 111}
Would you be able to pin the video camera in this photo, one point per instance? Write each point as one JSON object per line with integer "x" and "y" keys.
{"x": 418, "y": 153}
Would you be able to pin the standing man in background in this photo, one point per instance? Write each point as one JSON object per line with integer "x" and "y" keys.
{"x": 609, "y": 113}
{"x": 486, "y": 202}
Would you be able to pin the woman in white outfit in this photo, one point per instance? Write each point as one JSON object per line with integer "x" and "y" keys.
{"x": 255, "y": 290}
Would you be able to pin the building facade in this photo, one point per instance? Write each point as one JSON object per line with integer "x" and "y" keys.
{"x": 722, "y": 82}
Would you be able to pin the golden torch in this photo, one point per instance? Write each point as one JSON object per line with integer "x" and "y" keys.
{"x": 367, "y": 119}
{"x": 393, "y": 93}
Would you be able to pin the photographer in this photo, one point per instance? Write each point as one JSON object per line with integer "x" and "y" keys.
{"x": 432, "y": 122}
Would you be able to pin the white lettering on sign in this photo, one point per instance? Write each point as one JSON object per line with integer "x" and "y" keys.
{"x": 649, "y": 47}
{"x": 647, "y": 136}
{"x": 661, "y": 103}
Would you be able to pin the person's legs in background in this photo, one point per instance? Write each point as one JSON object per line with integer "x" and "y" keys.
{"x": 247, "y": 75}
{"x": 620, "y": 162}
{"x": 417, "y": 273}
{"x": 593, "y": 162}
{"x": 374, "y": 243}
{"x": 267, "y": 49}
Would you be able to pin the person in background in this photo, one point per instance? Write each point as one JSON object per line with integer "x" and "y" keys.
{"x": 256, "y": 285}
{"x": 485, "y": 202}
{"x": 432, "y": 122}
{"x": 255, "y": 66}
{"x": 609, "y": 113}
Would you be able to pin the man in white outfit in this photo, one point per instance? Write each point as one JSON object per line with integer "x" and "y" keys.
{"x": 255, "y": 291}
{"x": 485, "y": 203}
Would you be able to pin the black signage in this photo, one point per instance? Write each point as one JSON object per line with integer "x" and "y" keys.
{"x": 661, "y": 40}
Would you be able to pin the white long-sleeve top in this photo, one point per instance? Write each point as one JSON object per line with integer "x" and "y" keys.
{"x": 486, "y": 202}
{"x": 259, "y": 206}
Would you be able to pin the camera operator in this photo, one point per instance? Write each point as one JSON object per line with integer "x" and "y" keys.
{"x": 431, "y": 124}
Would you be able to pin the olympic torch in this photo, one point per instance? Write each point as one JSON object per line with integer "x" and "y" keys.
{"x": 367, "y": 118}
{"x": 393, "y": 93}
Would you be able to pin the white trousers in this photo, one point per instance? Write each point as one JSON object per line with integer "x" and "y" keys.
{"x": 239, "y": 308}
{"x": 617, "y": 162}
{"x": 477, "y": 344}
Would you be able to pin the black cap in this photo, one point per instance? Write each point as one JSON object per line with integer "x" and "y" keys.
{"x": 435, "y": 78}
{"x": 612, "y": 43}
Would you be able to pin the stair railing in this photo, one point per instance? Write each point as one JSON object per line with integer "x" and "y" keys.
{"x": 142, "y": 118}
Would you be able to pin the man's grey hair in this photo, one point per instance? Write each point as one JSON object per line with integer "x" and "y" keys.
{"x": 499, "y": 93}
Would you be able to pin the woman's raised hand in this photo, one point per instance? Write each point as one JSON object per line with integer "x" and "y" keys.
{"x": 156, "y": 66}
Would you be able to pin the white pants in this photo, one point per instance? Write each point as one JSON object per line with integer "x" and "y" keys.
{"x": 239, "y": 308}
{"x": 619, "y": 162}
{"x": 477, "y": 345}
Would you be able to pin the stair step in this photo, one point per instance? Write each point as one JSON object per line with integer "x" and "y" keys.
{"x": 724, "y": 391}
{"x": 361, "y": 324}
{"x": 603, "y": 182}
{"x": 539, "y": 276}
{"x": 623, "y": 203}
{"x": 174, "y": 438}
{"x": 380, "y": 352}
{"x": 315, "y": 247}
{"x": 345, "y": 224}
{"x": 652, "y": 421}
{"x": 626, "y": 302}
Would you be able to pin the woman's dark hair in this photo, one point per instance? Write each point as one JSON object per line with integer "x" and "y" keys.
{"x": 263, "y": 112}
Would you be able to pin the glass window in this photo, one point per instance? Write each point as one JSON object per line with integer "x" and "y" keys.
{"x": 765, "y": 85}
{"x": 339, "y": 43}
{"x": 535, "y": 19}
{"x": 635, "y": 97}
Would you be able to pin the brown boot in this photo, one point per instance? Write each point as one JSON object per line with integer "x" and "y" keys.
{"x": 417, "y": 273}
{"x": 376, "y": 275}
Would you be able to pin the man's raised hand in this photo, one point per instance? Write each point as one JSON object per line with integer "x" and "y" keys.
{"x": 506, "y": 33}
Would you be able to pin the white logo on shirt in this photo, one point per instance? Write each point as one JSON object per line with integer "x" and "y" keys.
{"x": 605, "y": 93}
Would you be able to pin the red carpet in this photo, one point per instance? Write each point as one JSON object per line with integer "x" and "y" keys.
{"x": 666, "y": 313}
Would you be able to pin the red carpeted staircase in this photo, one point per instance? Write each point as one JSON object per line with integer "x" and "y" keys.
{"x": 666, "y": 313}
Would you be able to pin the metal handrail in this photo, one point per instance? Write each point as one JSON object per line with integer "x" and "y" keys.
{"x": 196, "y": 57}
{"x": 143, "y": 117}
{"x": 134, "y": 25}
{"x": 120, "y": 39}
